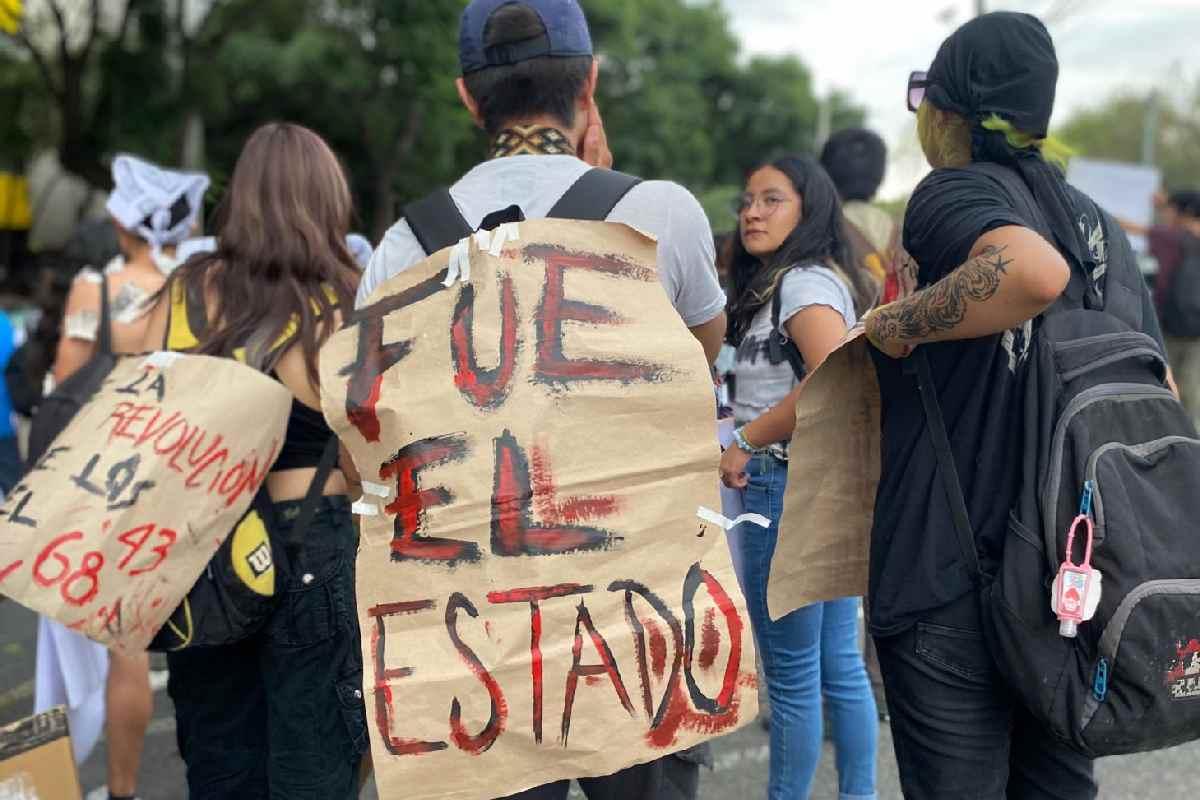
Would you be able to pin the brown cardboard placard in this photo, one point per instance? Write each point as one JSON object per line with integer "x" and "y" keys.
{"x": 111, "y": 528}
{"x": 538, "y": 598}
{"x": 823, "y": 551}
{"x": 36, "y": 762}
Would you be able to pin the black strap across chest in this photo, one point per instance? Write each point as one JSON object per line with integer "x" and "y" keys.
{"x": 104, "y": 331}
{"x": 437, "y": 223}
{"x": 780, "y": 344}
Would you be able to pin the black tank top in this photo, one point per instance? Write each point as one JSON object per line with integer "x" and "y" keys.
{"x": 307, "y": 432}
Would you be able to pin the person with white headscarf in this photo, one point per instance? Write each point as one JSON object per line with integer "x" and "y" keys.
{"x": 153, "y": 210}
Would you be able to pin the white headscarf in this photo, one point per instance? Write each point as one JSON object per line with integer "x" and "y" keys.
{"x": 160, "y": 205}
{"x": 190, "y": 247}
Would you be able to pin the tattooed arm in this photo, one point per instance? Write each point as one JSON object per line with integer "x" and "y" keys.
{"x": 1013, "y": 275}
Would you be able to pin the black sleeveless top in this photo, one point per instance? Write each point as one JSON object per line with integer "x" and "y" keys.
{"x": 307, "y": 432}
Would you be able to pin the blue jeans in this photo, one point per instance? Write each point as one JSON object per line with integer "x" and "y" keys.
{"x": 811, "y": 653}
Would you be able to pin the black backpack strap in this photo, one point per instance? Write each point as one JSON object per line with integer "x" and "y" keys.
{"x": 594, "y": 195}
{"x": 104, "y": 332}
{"x": 1124, "y": 286}
{"x": 1081, "y": 291}
{"x": 780, "y": 345}
{"x": 294, "y": 542}
{"x": 436, "y": 221}
{"x": 316, "y": 490}
{"x": 936, "y": 423}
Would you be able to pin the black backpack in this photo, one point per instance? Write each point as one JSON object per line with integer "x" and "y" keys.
{"x": 1181, "y": 307}
{"x": 223, "y": 606}
{"x": 1096, "y": 410}
{"x": 437, "y": 223}
{"x": 57, "y": 409}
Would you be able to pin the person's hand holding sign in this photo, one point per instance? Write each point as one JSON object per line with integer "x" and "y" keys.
{"x": 733, "y": 466}
{"x": 593, "y": 147}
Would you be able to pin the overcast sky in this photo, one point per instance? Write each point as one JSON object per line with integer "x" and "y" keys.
{"x": 868, "y": 47}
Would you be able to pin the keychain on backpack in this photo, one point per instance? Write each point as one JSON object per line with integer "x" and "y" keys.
{"x": 1076, "y": 591}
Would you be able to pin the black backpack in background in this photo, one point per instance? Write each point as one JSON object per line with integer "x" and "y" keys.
{"x": 1096, "y": 409}
{"x": 1181, "y": 306}
{"x": 57, "y": 409}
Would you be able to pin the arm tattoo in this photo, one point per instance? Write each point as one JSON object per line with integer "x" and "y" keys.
{"x": 943, "y": 305}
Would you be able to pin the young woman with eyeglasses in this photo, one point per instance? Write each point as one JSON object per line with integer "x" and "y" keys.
{"x": 794, "y": 287}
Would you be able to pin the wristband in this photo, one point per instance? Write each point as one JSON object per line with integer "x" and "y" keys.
{"x": 739, "y": 438}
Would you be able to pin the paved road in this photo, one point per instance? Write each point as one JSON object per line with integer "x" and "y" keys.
{"x": 741, "y": 758}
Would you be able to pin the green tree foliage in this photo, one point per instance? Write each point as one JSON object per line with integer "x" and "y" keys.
{"x": 663, "y": 63}
{"x": 21, "y": 104}
{"x": 1114, "y": 130}
{"x": 376, "y": 79}
{"x": 97, "y": 89}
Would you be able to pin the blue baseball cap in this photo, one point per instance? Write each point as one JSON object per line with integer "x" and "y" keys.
{"x": 566, "y": 34}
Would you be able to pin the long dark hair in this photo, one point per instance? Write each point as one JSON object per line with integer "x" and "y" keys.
{"x": 820, "y": 237}
{"x": 281, "y": 255}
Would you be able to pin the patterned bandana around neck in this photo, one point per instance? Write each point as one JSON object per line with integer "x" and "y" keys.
{"x": 522, "y": 140}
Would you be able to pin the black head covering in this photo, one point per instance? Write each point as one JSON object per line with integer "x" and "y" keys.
{"x": 1186, "y": 201}
{"x": 856, "y": 159}
{"x": 1001, "y": 63}
{"x": 1004, "y": 63}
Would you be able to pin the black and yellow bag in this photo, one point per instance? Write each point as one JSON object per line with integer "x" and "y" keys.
{"x": 240, "y": 588}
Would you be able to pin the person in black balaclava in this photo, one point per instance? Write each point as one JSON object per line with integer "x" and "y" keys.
{"x": 984, "y": 274}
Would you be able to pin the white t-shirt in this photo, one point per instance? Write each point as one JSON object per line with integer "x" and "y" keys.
{"x": 760, "y": 385}
{"x": 686, "y": 259}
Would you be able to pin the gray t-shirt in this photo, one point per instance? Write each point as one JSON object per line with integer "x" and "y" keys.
{"x": 760, "y": 385}
{"x": 667, "y": 211}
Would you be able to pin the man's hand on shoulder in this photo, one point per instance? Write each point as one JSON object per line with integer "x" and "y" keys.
{"x": 593, "y": 147}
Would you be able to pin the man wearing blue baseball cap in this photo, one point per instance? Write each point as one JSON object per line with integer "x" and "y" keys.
{"x": 529, "y": 80}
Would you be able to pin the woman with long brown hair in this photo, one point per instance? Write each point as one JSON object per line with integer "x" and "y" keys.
{"x": 279, "y": 714}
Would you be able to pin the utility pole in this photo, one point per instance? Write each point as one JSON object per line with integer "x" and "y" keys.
{"x": 1150, "y": 127}
{"x": 980, "y": 7}
{"x": 824, "y": 122}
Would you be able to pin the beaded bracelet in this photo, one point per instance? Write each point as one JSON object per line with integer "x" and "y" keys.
{"x": 739, "y": 438}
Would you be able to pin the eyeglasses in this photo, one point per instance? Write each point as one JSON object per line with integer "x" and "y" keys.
{"x": 918, "y": 82}
{"x": 769, "y": 203}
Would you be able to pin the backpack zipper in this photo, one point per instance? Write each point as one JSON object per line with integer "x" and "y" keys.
{"x": 1119, "y": 392}
{"x": 1110, "y": 640}
{"x": 1142, "y": 450}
